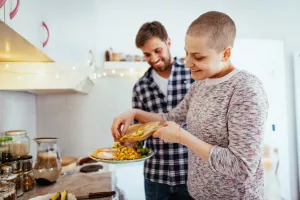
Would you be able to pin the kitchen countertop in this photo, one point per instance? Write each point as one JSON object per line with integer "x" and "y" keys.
{"x": 78, "y": 184}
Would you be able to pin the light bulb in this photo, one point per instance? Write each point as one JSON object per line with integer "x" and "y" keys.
{"x": 113, "y": 71}
{"x": 104, "y": 74}
{"x": 99, "y": 75}
{"x": 19, "y": 77}
{"x": 57, "y": 75}
{"x": 121, "y": 74}
{"x": 74, "y": 68}
{"x": 95, "y": 75}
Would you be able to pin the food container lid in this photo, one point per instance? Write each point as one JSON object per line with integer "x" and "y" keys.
{"x": 5, "y": 139}
{"x": 15, "y": 132}
{"x": 26, "y": 157}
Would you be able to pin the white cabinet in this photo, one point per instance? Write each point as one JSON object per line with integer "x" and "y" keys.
{"x": 25, "y": 17}
{"x": 71, "y": 30}
{"x": 2, "y": 10}
{"x": 63, "y": 30}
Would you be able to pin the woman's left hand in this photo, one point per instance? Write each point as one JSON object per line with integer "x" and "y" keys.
{"x": 169, "y": 133}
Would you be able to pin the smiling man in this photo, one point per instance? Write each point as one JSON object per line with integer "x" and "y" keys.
{"x": 161, "y": 88}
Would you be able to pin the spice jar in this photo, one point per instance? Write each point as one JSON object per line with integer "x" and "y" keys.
{"x": 7, "y": 189}
{"x": 17, "y": 179}
{"x": 27, "y": 163}
{"x": 17, "y": 175}
{"x": 28, "y": 177}
{"x": 28, "y": 181}
{"x": 20, "y": 142}
{"x": 16, "y": 164}
{"x": 6, "y": 148}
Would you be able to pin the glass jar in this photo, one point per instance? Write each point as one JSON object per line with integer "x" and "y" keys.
{"x": 7, "y": 189}
{"x": 17, "y": 174}
{"x": 5, "y": 149}
{"x": 47, "y": 167}
{"x": 20, "y": 142}
{"x": 27, "y": 163}
{"x": 28, "y": 178}
{"x": 28, "y": 181}
{"x": 16, "y": 164}
{"x": 17, "y": 179}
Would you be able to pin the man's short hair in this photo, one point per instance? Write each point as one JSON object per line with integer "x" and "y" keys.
{"x": 150, "y": 30}
{"x": 217, "y": 26}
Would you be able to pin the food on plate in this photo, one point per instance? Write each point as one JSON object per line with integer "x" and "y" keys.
{"x": 119, "y": 152}
{"x": 56, "y": 196}
{"x": 60, "y": 196}
{"x": 140, "y": 132}
{"x": 64, "y": 195}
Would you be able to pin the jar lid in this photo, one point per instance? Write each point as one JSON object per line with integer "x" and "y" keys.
{"x": 16, "y": 132}
{"x": 15, "y": 159}
{"x": 26, "y": 157}
{"x": 5, "y": 139}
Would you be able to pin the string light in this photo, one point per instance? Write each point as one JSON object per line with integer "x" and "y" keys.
{"x": 121, "y": 74}
{"x": 113, "y": 71}
{"x": 57, "y": 75}
{"x": 104, "y": 74}
{"x": 99, "y": 75}
{"x": 5, "y": 70}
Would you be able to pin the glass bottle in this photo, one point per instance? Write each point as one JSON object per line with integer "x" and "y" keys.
{"x": 47, "y": 167}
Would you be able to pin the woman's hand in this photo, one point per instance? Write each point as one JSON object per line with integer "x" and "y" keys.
{"x": 169, "y": 133}
{"x": 121, "y": 123}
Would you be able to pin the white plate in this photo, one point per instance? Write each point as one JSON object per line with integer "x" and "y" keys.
{"x": 48, "y": 196}
{"x": 151, "y": 153}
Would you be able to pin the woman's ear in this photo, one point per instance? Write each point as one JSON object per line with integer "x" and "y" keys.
{"x": 226, "y": 54}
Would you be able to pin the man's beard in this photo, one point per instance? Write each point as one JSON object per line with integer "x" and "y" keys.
{"x": 167, "y": 65}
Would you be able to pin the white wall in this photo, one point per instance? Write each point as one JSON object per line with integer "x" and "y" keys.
{"x": 83, "y": 122}
{"x": 18, "y": 112}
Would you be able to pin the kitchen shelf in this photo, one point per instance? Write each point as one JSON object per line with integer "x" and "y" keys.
{"x": 120, "y": 69}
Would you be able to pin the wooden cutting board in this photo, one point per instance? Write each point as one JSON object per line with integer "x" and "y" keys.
{"x": 140, "y": 132}
{"x": 78, "y": 184}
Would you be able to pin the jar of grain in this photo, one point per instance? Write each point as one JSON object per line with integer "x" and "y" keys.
{"x": 20, "y": 142}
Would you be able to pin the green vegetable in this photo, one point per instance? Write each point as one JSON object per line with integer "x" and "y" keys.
{"x": 145, "y": 151}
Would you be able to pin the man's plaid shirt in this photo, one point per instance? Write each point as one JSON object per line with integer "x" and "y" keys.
{"x": 170, "y": 162}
